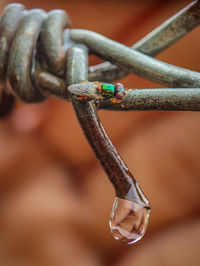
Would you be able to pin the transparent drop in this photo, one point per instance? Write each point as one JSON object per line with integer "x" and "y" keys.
{"x": 128, "y": 221}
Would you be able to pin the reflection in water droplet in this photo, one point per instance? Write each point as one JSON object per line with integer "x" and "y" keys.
{"x": 128, "y": 221}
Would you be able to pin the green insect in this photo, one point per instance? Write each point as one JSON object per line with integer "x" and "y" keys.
{"x": 107, "y": 90}
{"x": 87, "y": 91}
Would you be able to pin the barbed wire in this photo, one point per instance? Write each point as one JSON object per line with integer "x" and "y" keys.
{"x": 33, "y": 52}
{"x": 39, "y": 56}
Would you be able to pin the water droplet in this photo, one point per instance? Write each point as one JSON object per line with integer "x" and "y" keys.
{"x": 128, "y": 221}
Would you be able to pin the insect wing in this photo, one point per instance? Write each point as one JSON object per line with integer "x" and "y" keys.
{"x": 84, "y": 90}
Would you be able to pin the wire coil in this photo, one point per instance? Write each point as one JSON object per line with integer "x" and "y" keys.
{"x": 24, "y": 37}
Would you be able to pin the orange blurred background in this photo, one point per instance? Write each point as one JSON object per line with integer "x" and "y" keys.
{"x": 55, "y": 198}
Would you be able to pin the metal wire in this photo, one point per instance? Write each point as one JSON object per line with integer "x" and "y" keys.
{"x": 123, "y": 181}
{"x": 33, "y": 52}
{"x": 34, "y": 44}
{"x": 155, "y": 42}
{"x": 157, "y": 99}
{"x": 38, "y": 57}
{"x": 136, "y": 62}
{"x": 21, "y": 50}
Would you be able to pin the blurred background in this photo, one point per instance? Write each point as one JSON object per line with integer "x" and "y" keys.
{"x": 55, "y": 200}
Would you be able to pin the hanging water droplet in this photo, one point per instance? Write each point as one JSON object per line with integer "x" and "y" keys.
{"x": 128, "y": 220}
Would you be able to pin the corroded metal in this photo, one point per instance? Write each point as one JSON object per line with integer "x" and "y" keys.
{"x": 124, "y": 183}
{"x": 52, "y": 37}
{"x": 50, "y": 84}
{"x": 21, "y": 54}
{"x": 27, "y": 61}
{"x": 32, "y": 68}
{"x": 40, "y": 56}
{"x": 8, "y": 24}
{"x": 181, "y": 99}
{"x": 155, "y": 42}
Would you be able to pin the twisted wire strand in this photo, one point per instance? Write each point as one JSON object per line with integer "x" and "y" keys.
{"x": 33, "y": 54}
{"x": 28, "y": 40}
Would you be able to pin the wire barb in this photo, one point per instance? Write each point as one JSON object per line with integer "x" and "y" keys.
{"x": 123, "y": 181}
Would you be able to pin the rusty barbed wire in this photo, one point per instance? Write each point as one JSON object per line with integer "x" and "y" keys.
{"x": 43, "y": 39}
{"x": 117, "y": 171}
{"x": 124, "y": 183}
{"x": 39, "y": 56}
